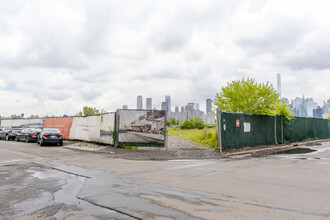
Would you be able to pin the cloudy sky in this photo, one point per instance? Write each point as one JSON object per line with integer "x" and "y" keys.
{"x": 58, "y": 56}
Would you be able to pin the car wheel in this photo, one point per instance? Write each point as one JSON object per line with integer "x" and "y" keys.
{"x": 27, "y": 139}
{"x": 61, "y": 143}
{"x": 7, "y": 138}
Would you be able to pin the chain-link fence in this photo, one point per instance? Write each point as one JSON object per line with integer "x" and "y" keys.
{"x": 240, "y": 130}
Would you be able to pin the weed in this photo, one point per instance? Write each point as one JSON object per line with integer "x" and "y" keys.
{"x": 206, "y": 137}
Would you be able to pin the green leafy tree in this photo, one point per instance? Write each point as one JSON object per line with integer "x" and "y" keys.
{"x": 283, "y": 109}
{"x": 249, "y": 97}
{"x": 88, "y": 111}
{"x": 173, "y": 122}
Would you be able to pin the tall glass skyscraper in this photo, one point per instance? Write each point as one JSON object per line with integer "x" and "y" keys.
{"x": 279, "y": 83}
{"x": 208, "y": 106}
{"x": 168, "y": 101}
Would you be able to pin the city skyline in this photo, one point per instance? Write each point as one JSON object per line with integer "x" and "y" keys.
{"x": 72, "y": 54}
{"x": 301, "y": 107}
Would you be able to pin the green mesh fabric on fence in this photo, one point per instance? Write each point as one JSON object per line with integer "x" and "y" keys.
{"x": 301, "y": 128}
{"x": 240, "y": 130}
{"x": 261, "y": 130}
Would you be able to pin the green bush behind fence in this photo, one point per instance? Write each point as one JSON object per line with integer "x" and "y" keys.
{"x": 262, "y": 129}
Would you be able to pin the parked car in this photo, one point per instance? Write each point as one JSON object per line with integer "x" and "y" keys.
{"x": 9, "y": 133}
{"x": 28, "y": 135}
{"x": 50, "y": 136}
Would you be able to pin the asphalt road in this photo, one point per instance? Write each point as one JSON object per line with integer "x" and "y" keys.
{"x": 58, "y": 183}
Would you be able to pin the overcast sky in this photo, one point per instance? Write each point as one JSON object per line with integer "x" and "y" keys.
{"x": 58, "y": 56}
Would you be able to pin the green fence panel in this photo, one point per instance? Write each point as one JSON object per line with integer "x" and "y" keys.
{"x": 240, "y": 130}
{"x": 247, "y": 130}
{"x": 302, "y": 128}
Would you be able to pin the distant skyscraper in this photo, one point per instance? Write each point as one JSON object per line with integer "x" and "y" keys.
{"x": 190, "y": 107}
{"x": 125, "y": 107}
{"x": 279, "y": 83}
{"x": 149, "y": 104}
{"x": 139, "y": 104}
{"x": 182, "y": 108}
{"x": 208, "y": 106}
{"x": 310, "y": 105}
{"x": 168, "y": 101}
{"x": 197, "y": 107}
{"x": 164, "y": 106}
{"x": 318, "y": 112}
{"x": 176, "y": 109}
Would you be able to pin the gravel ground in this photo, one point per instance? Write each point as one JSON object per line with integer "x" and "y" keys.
{"x": 177, "y": 148}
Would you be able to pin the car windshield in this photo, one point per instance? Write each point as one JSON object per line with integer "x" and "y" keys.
{"x": 51, "y": 130}
{"x": 16, "y": 129}
{"x": 35, "y": 130}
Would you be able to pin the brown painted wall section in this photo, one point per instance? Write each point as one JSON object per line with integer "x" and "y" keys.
{"x": 64, "y": 124}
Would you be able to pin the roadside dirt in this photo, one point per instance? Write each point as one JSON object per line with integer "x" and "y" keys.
{"x": 176, "y": 149}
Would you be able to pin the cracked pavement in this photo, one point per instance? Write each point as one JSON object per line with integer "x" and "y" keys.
{"x": 58, "y": 183}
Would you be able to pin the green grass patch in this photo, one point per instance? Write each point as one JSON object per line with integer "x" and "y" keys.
{"x": 206, "y": 137}
{"x": 129, "y": 147}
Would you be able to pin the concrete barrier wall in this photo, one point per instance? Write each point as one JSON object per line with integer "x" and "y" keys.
{"x": 133, "y": 127}
{"x": 63, "y": 124}
{"x": 24, "y": 123}
{"x": 93, "y": 128}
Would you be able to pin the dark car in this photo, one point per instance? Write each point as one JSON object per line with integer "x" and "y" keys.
{"x": 28, "y": 135}
{"x": 9, "y": 133}
{"x": 50, "y": 136}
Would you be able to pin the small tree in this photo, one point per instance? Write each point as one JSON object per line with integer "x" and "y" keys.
{"x": 283, "y": 109}
{"x": 172, "y": 122}
{"x": 88, "y": 111}
{"x": 250, "y": 97}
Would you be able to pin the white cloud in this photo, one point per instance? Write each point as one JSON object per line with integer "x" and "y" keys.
{"x": 57, "y": 56}
{"x": 3, "y": 84}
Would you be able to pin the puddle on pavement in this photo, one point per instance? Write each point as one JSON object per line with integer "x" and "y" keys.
{"x": 70, "y": 185}
{"x": 296, "y": 151}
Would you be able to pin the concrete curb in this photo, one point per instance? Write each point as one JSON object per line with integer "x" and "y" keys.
{"x": 271, "y": 149}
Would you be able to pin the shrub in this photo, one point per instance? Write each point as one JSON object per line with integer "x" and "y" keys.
{"x": 193, "y": 123}
{"x": 208, "y": 137}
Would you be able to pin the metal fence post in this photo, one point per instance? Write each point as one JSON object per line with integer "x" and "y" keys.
{"x": 219, "y": 130}
{"x": 275, "y": 129}
{"x": 116, "y": 131}
{"x": 282, "y": 129}
{"x": 166, "y": 132}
